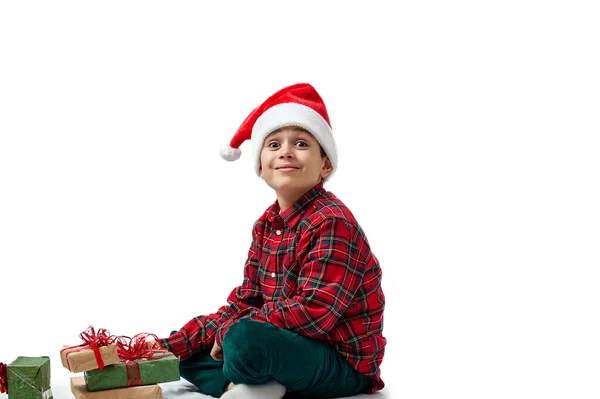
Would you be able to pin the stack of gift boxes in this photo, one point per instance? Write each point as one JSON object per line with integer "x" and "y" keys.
{"x": 119, "y": 367}
{"x": 113, "y": 368}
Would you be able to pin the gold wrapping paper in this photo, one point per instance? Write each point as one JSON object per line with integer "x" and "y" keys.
{"x": 140, "y": 392}
{"x": 80, "y": 359}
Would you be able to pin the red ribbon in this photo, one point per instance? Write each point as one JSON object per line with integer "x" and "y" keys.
{"x": 93, "y": 341}
{"x": 141, "y": 347}
{"x": 3, "y": 378}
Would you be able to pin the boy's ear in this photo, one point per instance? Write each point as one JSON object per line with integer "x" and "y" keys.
{"x": 327, "y": 168}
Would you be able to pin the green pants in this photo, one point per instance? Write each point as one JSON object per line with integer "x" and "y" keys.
{"x": 255, "y": 353}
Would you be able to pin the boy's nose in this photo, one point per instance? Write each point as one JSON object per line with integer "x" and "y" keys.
{"x": 286, "y": 151}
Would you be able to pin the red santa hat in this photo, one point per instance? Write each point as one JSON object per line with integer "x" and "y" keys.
{"x": 297, "y": 105}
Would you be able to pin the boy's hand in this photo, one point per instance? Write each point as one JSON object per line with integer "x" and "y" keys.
{"x": 216, "y": 353}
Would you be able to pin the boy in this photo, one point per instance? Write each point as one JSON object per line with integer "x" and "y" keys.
{"x": 308, "y": 317}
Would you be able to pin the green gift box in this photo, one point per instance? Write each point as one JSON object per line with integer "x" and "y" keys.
{"x": 29, "y": 378}
{"x": 162, "y": 367}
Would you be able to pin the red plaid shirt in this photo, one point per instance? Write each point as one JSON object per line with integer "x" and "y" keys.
{"x": 309, "y": 270}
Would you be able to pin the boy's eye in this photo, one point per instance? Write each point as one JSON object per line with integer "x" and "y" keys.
{"x": 301, "y": 143}
{"x": 273, "y": 144}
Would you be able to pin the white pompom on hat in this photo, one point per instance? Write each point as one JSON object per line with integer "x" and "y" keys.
{"x": 297, "y": 105}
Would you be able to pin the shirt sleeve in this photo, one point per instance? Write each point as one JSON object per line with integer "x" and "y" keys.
{"x": 199, "y": 334}
{"x": 329, "y": 278}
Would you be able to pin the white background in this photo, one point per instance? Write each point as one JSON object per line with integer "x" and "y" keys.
{"x": 468, "y": 139}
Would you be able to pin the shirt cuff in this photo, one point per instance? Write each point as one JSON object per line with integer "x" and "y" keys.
{"x": 177, "y": 345}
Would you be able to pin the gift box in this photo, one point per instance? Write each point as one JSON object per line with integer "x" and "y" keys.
{"x": 98, "y": 350}
{"x": 29, "y": 378}
{"x": 79, "y": 359}
{"x": 160, "y": 367}
{"x": 80, "y": 391}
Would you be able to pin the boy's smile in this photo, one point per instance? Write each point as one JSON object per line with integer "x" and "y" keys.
{"x": 291, "y": 164}
{"x": 287, "y": 168}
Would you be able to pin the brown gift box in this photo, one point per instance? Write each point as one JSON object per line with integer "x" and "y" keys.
{"x": 82, "y": 358}
{"x": 139, "y": 392}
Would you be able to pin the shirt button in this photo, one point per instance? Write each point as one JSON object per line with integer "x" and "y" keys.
{"x": 273, "y": 274}
{"x": 278, "y": 232}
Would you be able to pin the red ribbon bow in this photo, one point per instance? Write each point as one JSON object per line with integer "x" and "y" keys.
{"x": 3, "y": 378}
{"x": 93, "y": 339}
{"x": 141, "y": 347}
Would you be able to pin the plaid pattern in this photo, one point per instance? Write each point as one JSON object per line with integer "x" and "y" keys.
{"x": 309, "y": 270}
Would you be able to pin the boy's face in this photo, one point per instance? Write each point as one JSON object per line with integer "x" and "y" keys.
{"x": 291, "y": 162}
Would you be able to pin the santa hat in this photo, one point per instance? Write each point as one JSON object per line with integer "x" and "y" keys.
{"x": 297, "y": 105}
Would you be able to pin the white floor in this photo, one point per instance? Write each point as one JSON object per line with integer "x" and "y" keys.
{"x": 183, "y": 390}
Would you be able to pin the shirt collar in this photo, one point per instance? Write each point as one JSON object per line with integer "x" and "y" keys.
{"x": 292, "y": 214}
